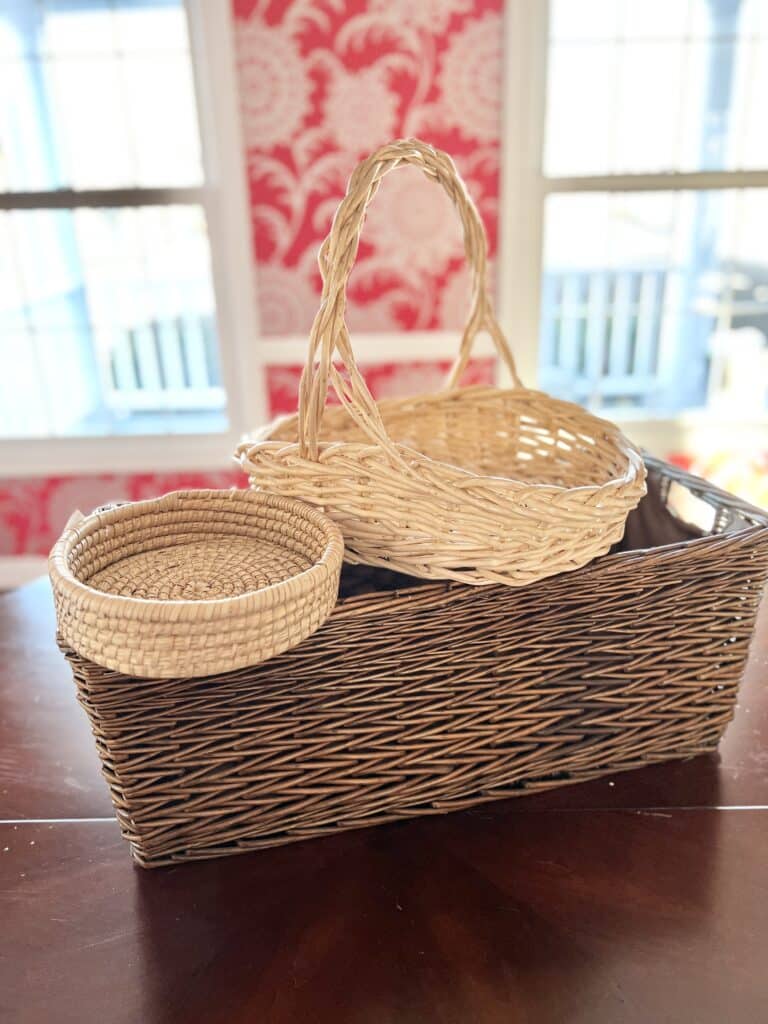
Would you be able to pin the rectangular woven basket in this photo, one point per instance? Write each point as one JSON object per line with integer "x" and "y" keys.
{"x": 420, "y": 698}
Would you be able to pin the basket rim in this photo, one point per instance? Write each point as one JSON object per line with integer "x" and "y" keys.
{"x": 634, "y": 473}
{"x": 189, "y": 611}
{"x": 439, "y": 591}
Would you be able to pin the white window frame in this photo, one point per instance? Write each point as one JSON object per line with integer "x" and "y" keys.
{"x": 227, "y": 210}
{"x": 524, "y": 190}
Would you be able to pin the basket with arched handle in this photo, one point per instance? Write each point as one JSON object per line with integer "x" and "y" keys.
{"x": 480, "y": 484}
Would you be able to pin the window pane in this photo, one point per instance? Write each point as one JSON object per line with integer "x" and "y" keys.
{"x": 662, "y": 85}
{"x": 107, "y": 323}
{"x": 657, "y": 301}
{"x": 88, "y": 91}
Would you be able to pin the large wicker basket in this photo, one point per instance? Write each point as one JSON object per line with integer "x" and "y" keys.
{"x": 481, "y": 485}
{"x": 433, "y": 697}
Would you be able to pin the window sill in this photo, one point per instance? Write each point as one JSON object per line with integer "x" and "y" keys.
{"x": 87, "y": 455}
{"x": 696, "y": 430}
{"x": 16, "y": 570}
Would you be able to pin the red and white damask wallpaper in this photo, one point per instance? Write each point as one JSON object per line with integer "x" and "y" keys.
{"x": 33, "y": 511}
{"x": 322, "y": 83}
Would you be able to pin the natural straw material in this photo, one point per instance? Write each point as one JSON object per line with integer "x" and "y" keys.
{"x": 435, "y": 696}
{"x": 195, "y": 582}
{"x": 479, "y": 485}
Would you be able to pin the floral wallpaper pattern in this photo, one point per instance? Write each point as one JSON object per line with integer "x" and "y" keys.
{"x": 385, "y": 381}
{"x": 323, "y": 82}
{"x": 34, "y": 510}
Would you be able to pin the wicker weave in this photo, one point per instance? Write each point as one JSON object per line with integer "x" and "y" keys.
{"x": 195, "y": 582}
{"x": 479, "y": 485}
{"x": 434, "y": 697}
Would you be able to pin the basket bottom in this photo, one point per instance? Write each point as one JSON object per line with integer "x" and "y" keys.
{"x": 202, "y": 570}
{"x": 448, "y": 805}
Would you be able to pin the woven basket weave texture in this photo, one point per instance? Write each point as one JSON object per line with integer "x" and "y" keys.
{"x": 431, "y": 697}
{"x": 480, "y": 485}
{"x": 195, "y": 582}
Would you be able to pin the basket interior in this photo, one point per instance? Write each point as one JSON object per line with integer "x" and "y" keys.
{"x": 518, "y": 434}
{"x": 199, "y": 570}
{"x": 197, "y": 550}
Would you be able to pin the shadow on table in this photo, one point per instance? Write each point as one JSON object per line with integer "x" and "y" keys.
{"x": 467, "y": 917}
{"x": 694, "y": 782}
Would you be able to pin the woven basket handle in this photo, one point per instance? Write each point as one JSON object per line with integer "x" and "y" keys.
{"x": 329, "y": 337}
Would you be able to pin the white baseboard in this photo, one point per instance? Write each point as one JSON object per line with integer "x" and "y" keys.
{"x": 15, "y": 570}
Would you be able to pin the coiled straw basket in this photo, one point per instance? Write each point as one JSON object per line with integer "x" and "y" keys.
{"x": 195, "y": 582}
{"x": 479, "y": 485}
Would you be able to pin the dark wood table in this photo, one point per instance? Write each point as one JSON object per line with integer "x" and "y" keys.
{"x": 642, "y": 898}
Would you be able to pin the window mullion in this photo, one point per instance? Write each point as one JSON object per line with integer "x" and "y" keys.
{"x": 227, "y": 207}
{"x": 73, "y": 199}
{"x": 522, "y": 193}
{"x": 665, "y": 182}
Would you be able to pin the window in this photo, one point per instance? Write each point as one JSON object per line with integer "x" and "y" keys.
{"x": 646, "y": 293}
{"x": 108, "y": 319}
{"x": 643, "y": 186}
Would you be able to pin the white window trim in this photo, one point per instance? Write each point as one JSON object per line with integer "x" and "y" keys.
{"x": 526, "y": 29}
{"x": 227, "y": 208}
{"x": 16, "y": 570}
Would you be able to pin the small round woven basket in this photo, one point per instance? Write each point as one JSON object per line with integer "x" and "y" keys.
{"x": 195, "y": 582}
